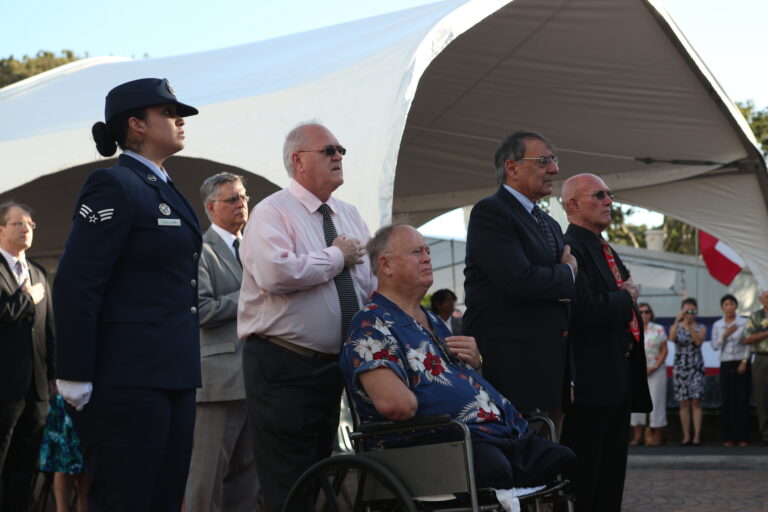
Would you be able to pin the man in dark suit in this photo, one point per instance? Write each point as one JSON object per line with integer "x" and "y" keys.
{"x": 26, "y": 355}
{"x": 222, "y": 475}
{"x": 607, "y": 346}
{"x": 519, "y": 279}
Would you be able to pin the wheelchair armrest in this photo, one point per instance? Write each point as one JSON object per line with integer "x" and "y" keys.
{"x": 418, "y": 423}
{"x": 533, "y": 417}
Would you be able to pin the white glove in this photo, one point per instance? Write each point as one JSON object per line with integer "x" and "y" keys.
{"x": 75, "y": 393}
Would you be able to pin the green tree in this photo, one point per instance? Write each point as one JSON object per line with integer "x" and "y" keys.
{"x": 621, "y": 232}
{"x": 758, "y": 121}
{"x": 679, "y": 236}
{"x": 12, "y": 70}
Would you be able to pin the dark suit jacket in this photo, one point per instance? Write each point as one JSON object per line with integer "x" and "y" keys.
{"x": 26, "y": 336}
{"x": 605, "y": 370}
{"x": 517, "y": 298}
{"x": 126, "y": 286}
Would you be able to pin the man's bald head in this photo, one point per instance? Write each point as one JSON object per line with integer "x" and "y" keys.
{"x": 581, "y": 199}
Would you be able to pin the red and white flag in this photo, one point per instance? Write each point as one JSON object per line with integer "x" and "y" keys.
{"x": 722, "y": 262}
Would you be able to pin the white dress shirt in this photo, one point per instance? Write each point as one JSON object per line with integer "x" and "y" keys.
{"x": 733, "y": 347}
{"x": 12, "y": 260}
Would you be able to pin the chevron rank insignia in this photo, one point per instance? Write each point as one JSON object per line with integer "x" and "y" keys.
{"x": 94, "y": 217}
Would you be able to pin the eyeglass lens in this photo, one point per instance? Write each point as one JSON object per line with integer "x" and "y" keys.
{"x": 600, "y": 195}
{"x": 546, "y": 160}
{"x": 236, "y": 198}
{"x": 21, "y": 224}
{"x": 331, "y": 150}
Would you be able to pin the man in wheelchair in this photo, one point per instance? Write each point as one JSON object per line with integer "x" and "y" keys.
{"x": 401, "y": 362}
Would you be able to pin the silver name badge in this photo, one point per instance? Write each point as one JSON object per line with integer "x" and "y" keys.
{"x": 169, "y": 222}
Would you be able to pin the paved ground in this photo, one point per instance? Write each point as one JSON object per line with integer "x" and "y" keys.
{"x": 702, "y": 479}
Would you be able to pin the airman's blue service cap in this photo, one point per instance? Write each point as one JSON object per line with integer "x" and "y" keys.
{"x": 145, "y": 92}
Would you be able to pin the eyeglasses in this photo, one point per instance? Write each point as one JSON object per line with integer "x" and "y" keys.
{"x": 329, "y": 150}
{"x": 645, "y": 312}
{"x": 690, "y": 311}
{"x": 234, "y": 199}
{"x": 31, "y": 225}
{"x": 599, "y": 195}
{"x": 544, "y": 160}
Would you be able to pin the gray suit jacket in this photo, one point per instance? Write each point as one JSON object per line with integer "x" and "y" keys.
{"x": 220, "y": 349}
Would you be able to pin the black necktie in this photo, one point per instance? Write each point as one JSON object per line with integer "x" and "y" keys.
{"x": 539, "y": 216}
{"x": 343, "y": 280}
{"x": 236, "y": 245}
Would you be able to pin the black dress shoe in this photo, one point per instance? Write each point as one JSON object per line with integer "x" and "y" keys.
{"x": 687, "y": 443}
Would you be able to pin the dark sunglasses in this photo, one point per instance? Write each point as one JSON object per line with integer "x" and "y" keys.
{"x": 599, "y": 195}
{"x": 329, "y": 150}
{"x": 645, "y": 311}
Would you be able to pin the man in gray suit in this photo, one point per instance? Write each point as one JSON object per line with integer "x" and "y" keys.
{"x": 222, "y": 475}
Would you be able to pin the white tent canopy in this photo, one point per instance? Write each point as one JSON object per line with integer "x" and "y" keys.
{"x": 421, "y": 99}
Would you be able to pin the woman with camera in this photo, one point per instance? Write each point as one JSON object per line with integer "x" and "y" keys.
{"x": 688, "y": 377}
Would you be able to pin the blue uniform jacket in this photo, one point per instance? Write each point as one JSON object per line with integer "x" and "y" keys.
{"x": 126, "y": 285}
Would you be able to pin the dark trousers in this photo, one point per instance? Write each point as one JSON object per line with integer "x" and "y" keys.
{"x": 735, "y": 390}
{"x": 599, "y": 436}
{"x": 293, "y": 409}
{"x": 525, "y": 462}
{"x": 21, "y": 429}
{"x": 760, "y": 385}
{"x": 136, "y": 444}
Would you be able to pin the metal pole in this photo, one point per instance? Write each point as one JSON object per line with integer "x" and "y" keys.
{"x": 453, "y": 267}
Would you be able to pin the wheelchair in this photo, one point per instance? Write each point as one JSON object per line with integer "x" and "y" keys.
{"x": 436, "y": 477}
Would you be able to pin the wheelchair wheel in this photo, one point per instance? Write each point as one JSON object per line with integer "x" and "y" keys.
{"x": 348, "y": 483}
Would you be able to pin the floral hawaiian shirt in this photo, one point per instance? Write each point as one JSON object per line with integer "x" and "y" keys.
{"x": 758, "y": 322}
{"x": 383, "y": 335}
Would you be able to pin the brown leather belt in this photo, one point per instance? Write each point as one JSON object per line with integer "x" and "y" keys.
{"x": 298, "y": 349}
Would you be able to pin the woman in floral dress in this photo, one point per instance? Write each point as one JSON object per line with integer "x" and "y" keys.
{"x": 689, "y": 369}
{"x": 60, "y": 454}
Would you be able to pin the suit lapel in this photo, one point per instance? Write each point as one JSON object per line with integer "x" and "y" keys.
{"x": 221, "y": 248}
{"x": 8, "y": 275}
{"x": 595, "y": 250}
{"x": 525, "y": 218}
{"x": 171, "y": 197}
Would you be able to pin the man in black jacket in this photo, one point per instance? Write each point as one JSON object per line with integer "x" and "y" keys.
{"x": 609, "y": 379}
{"x": 26, "y": 355}
{"x": 519, "y": 279}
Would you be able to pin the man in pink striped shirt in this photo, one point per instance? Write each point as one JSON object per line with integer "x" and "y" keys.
{"x": 304, "y": 275}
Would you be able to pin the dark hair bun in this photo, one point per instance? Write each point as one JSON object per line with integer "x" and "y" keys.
{"x": 106, "y": 144}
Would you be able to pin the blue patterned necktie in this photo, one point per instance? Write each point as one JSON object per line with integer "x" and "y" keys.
{"x": 539, "y": 216}
{"x": 343, "y": 280}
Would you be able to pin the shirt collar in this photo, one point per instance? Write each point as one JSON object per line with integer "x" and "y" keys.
{"x": 149, "y": 163}
{"x": 11, "y": 259}
{"x": 308, "y": 199}
{"x": 527, "y": 203}
{"x": 224, "y": 234}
